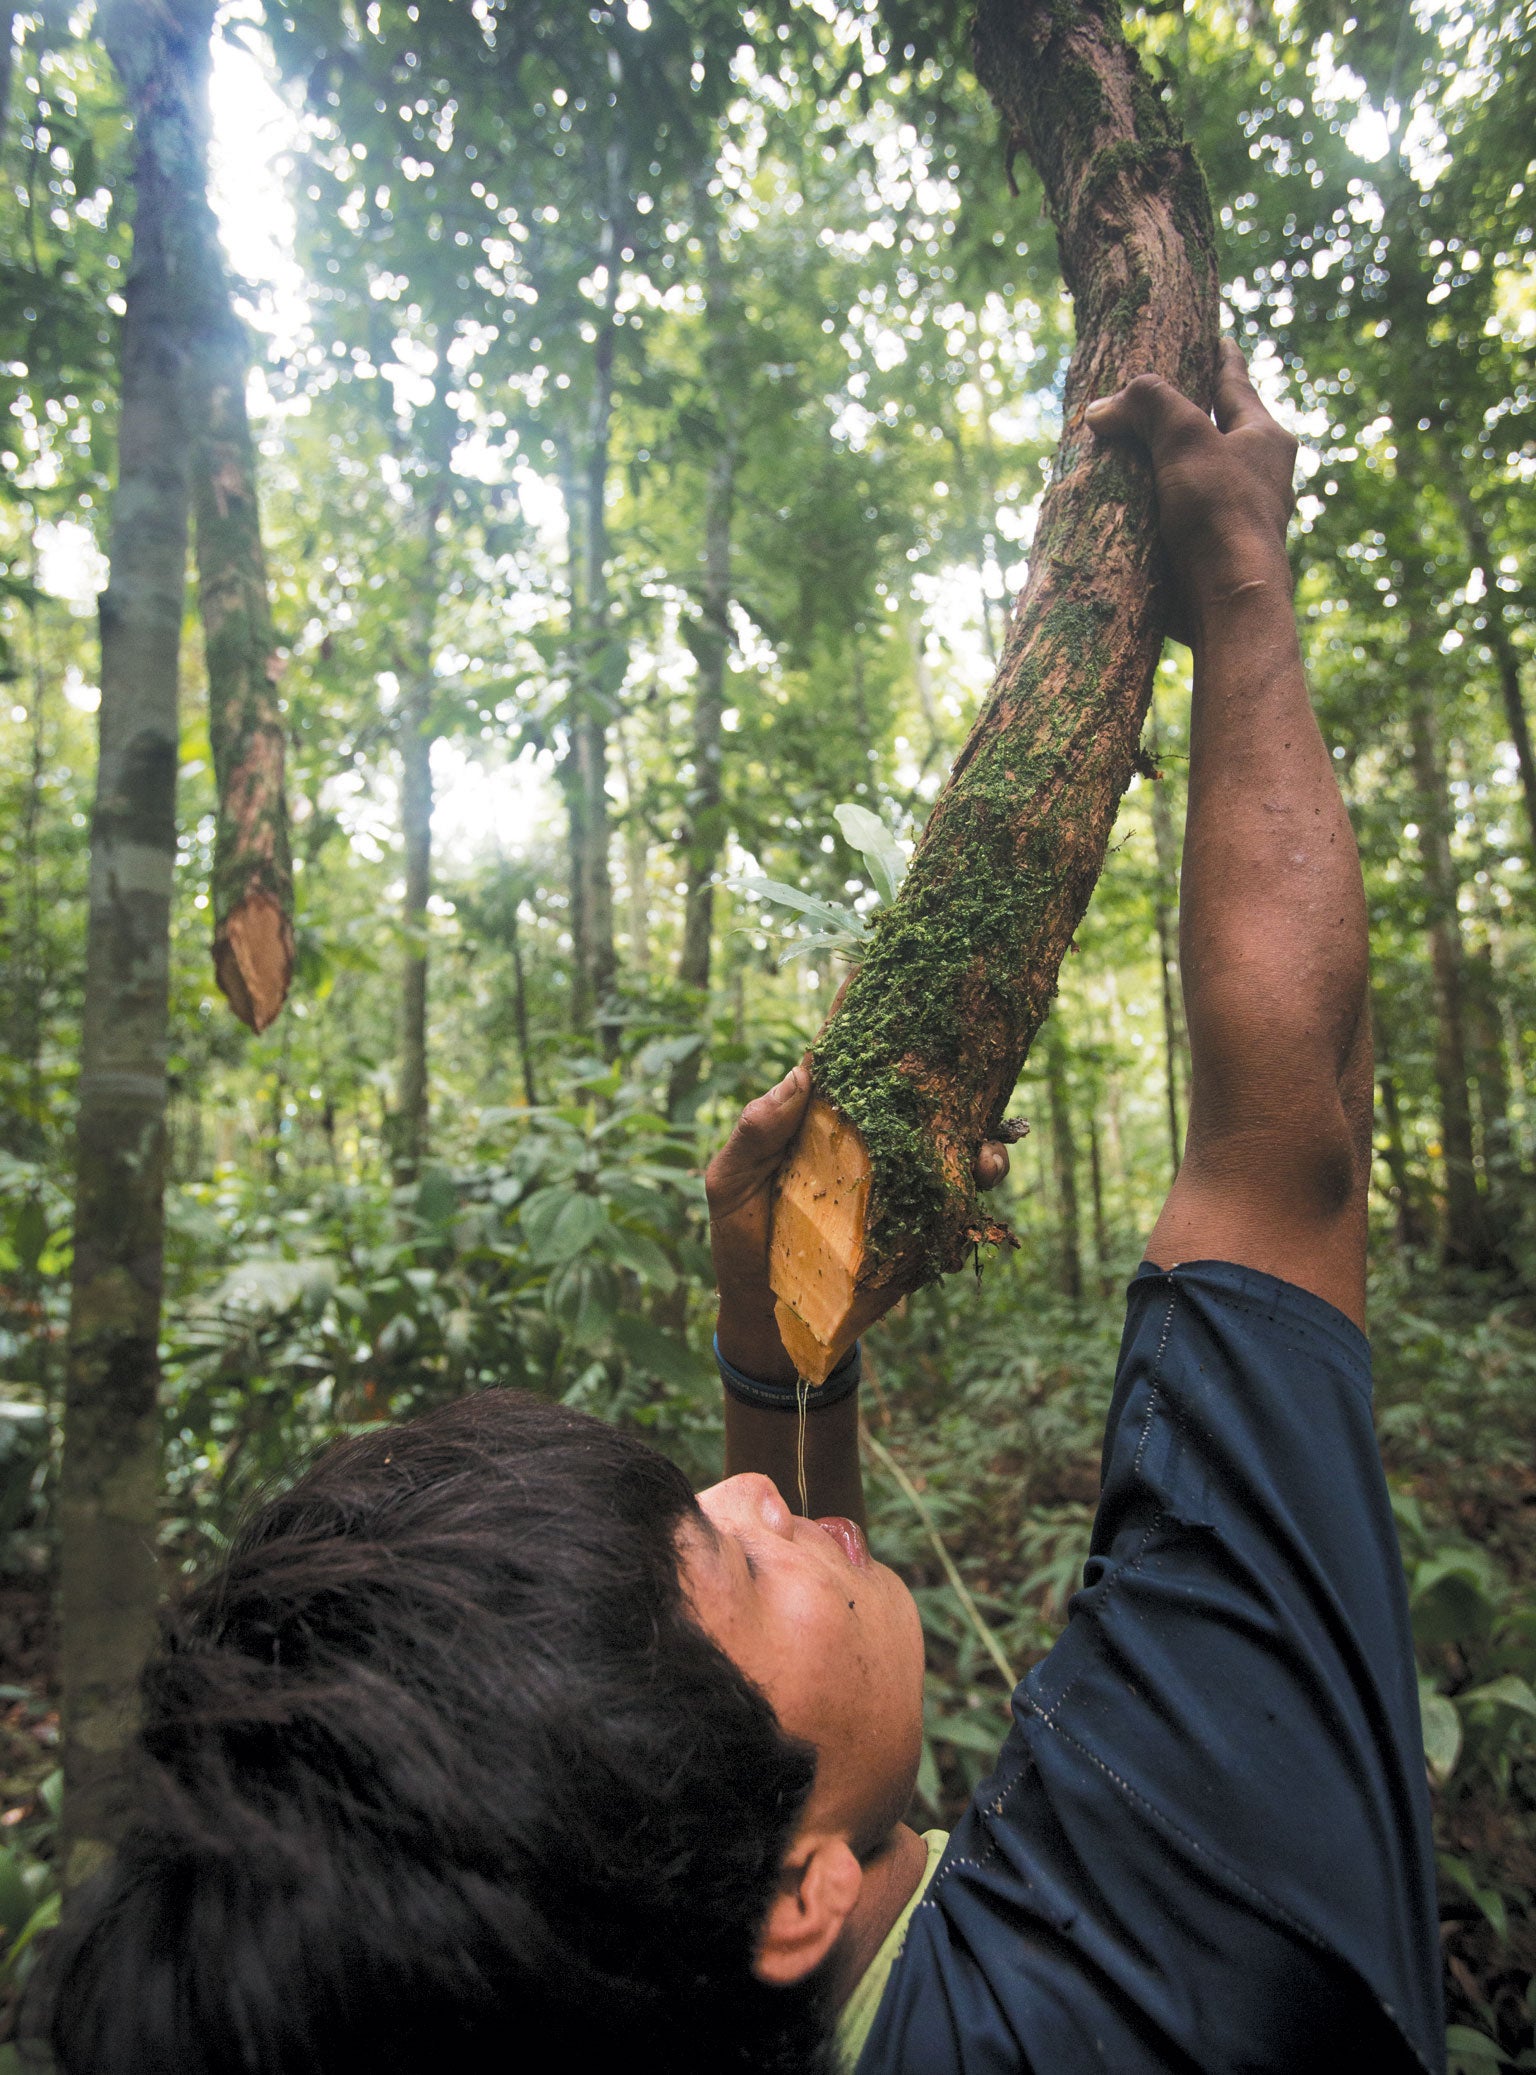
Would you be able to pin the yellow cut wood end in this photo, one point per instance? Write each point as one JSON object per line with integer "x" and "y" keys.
{"x": 816, "y": 1248}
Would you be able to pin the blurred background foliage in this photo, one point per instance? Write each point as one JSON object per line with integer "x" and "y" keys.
{"x": 679, "y": 381}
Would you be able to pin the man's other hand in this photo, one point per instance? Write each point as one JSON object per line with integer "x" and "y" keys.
{"x": 738, "y": 1185}
{"x": 1224, "y": 495}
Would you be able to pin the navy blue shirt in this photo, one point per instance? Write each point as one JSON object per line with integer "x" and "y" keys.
{"x": 1206, "y": 1845}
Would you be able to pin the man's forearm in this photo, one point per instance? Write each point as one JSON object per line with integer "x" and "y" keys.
{"x": 1273, "y": 950}
{"x": 1272, "y": 909}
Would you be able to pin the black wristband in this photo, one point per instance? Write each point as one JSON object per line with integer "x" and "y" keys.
{"x": 785, "y": 1397}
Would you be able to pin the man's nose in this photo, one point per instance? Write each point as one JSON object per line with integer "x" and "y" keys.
{"x": 752, "y": 1496}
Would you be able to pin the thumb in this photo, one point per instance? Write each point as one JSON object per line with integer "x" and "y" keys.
{"x": 754, "y": 1149}
{"x": 768, "y": 1124}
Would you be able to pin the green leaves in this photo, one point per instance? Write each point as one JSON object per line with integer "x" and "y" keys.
{"x": 1441, "y": 1726}
{"x": 840, "y": 928}
{"x": 868, "y": 834}
{"x": 560, "y": 1223}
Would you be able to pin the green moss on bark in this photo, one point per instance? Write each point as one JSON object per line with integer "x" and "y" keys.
{"x": 925, "y": 1050}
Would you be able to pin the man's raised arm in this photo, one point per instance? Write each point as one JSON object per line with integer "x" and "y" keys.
{"x": 1272, "y": 937}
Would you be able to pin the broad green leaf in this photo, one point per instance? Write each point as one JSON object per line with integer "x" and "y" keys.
{"x": 662, "y": 1354}
{"x": 1488, "y": 1900}
{"x": 638, "y": 1251}
{"x": 830, "y": 914}
{"x": 1470, "y": 2053}
{"x": 967, "y": 1734}
{"x": 1441, "y": 1726}
{"x": 1452, "y": 1597}
{"x": 1511, "y": 1691}
{"x": 437, "y": 1197}
{"x": 575, "y": 1225}
{"x": 820, "y": 940}
{"x": 16, "y": 1903}
{"x": 867, "y": 833}
{"x": 930, "y": 1787}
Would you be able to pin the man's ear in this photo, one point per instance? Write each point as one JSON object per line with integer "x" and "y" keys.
{"x": 819, "y": 1884}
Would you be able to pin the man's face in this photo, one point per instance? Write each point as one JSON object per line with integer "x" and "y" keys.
{"x": 829, "y": 1635}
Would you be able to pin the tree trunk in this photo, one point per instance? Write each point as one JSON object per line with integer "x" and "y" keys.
{"x": 704, "y": 831}
{"x": 7, "y": 61}
{"x": 520, "y": 1011}
{"x": 704, "y": 827}
{"x": 915, "y": 1069}
{"x": 1500, "y": 640}
{"x": 1491, "y": 1073}
{"x": 1412, "y": 1230}
{"x": 252, "y": 868}
{"x": 1165, "y": 914}
{"x": 637, "y": 861}
{"x": 1069, "y": 1255}
{"x": 598, "y": 661}
{"x": 110, "y": 1478}
{"x": 1100, "y": 1224}
{"x": 1466, "y": 1238}
{"x": 415, "y": 735}
{"x": 584, "y": 767}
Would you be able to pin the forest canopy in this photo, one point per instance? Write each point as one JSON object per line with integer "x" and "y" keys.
{"x": 609, "y": 443}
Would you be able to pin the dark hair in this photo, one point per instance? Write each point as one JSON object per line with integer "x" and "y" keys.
{"x": 438, "y": 1770}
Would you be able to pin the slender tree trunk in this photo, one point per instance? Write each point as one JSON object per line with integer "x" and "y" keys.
{"x": 1466, "y": 1238}
{"x": 415, "y": 735}
{"x": 22, "y": 1127}
{"x": 598, "y": 663}
{"x": 1491, "y": 1072}
{"x": 584, "y": 768}
{"x": 1412, "y": 1228}
{"x": 252, "y": 867}
{"x": 1500, "y": 639}
{"x": 637, "y": 860}
{"x": 1069, "y": 1256}
{"x": 7, "y": 62}
{"x": 1100, "y": 1225}
{"x": 704, "y": 829}
{"x": 1165, "y": 915}
{"x": 110, "y": 1478}
{"x": 520, "y": 1012}
{"x": 926, "y": 1047}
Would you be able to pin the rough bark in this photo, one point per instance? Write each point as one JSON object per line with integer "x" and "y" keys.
{"x": 1069, "y": 1252}
{"x": 935, "y": 1024}
{"x": 252, "y": 866}
{"x": 110, "y": 1477}
{"x": 1466, "y": 1238}
{"x": 1165, "y": 913}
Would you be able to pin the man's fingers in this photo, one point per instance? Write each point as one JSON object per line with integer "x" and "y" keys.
{"x": 762, "y": 1136}
{"x": 991, "y": 1164}
{"x": 1150, "y": 410}
{"x": 1237, "y": 401}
